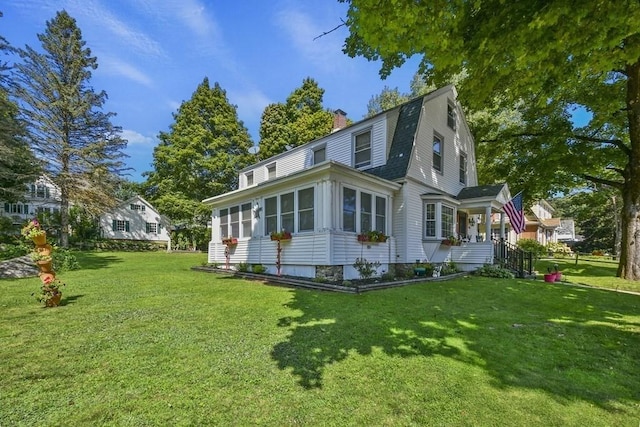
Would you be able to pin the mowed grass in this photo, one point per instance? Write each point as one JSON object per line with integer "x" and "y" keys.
{"x": 593, "y": 271}
{"x": 142, "y": 340}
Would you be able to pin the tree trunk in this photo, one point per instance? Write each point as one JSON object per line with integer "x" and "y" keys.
{"x": 618, "y": 227}
{"x": 629, "y": 267}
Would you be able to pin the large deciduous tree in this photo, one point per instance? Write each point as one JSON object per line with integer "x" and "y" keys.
{"x": 79, "y": 146}
{"x": 199, "y": 157}
{"x": 544, "y": 57}
{"x": 301, "y": 119}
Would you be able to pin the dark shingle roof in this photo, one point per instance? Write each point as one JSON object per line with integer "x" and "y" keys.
{"x": 402, "y": 143}
{"x": 491, "y": 190}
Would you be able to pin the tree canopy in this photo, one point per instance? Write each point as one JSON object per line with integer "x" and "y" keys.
{"x": 199, "y": 157}
{"x": 79, "y": 146}
{"x": 301, "y": 119}
{"x": 541, "y": 60}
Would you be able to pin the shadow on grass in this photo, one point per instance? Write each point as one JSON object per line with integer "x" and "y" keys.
{"x": 569, "y": 342}
{"x": 69, "y": 300}
{"x": 95, "y": 261}
{"x": 584, "y": 267}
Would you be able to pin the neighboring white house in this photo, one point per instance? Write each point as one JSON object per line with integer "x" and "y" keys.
{"x": 135, "y": 219}
{"x": 40, "y": 196}
{"x": 541, "y": 224}
{"x": 409, "y": 172}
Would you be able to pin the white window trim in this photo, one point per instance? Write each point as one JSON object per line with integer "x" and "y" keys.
{"x": 374, "y": 213}
{"x": 433, "y": 165}
{"x": 438, "y": 213}
{"x": 353, "y": 147}
{"x": 296, "y": 209}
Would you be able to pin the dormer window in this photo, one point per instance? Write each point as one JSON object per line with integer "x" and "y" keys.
{"x": 319, "y": 155}
{"x": 271, "y": 171}
{"x": 451, "y": 115}
{"x": 249, "y": 178}
{"x": 362, "y": 149}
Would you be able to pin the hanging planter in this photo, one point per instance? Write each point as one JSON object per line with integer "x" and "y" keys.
{"x": 372, "y": 237}
{"x": 280, "y": 236}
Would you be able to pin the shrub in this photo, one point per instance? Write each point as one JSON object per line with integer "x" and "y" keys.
{"x": 10, "y": 251}
{"x": 64, "y": 260}
{"x": 388, "y": 277}
{"x": 489, "y": 270}
{"x": 242, "y": 267}
{"x": 597, "y": 252}
{"x": 449, "y": 268}
{"x": 365, "y": 268}
{"x": 533, "y": 246}
{"x": 258, "y": 268}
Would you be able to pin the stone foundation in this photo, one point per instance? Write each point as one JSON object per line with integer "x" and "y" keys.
{"x": 330, "y": 273}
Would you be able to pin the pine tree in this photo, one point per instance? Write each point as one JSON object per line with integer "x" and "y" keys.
{"x": 18, "y": 166}
{"x": 80, "y": 148}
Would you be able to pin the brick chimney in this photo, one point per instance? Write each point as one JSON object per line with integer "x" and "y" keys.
{"x": 339, "y": 120}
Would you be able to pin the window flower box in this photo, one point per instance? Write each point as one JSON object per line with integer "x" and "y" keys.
{"x": 372, "y": 237}
{"x": 280, "y": 236}
{"x": 229, "y": 241}
{"x": 451, "y": 241}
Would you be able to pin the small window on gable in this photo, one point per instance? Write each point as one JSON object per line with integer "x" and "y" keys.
{"x": 362, "y": 150}
{"x": 463, "y": 168}
{"x": 451, "y": 115}
{"x": 319, "y": 155}
{"x": 249, "y": 176}
{"x": 437, "y": 152}
{"x": 271, "y": 171}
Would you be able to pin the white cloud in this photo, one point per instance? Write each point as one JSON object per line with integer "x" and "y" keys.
{"x": 136, "y": 138}
{"x": 250, "y": 104}
{"x": 118, "y": 67}
{"x": 323, "y": 52}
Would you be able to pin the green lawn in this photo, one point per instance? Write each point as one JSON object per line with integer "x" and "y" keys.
{"x": 143, "y": 341}
{"x": 590, "y": 270}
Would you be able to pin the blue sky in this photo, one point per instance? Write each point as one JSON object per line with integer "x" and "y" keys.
{"x": 152, "y": 54}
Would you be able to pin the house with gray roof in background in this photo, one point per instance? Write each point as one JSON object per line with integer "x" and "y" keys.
{"x": 408, "y": 173}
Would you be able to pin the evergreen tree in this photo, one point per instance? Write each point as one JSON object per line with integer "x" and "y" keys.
{"x": 301, "y": 119}
{"x": 199, "y": 157}
{"x": 543, "y": 58}
{"x": 386, "y": 100}
{"x": 18, "y": 166}
{"x": 80, "y": 148}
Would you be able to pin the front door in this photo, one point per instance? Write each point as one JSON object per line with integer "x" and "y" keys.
{"x": 461, "y": 225}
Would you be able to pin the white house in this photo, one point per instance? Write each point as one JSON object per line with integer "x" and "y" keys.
{"x": 135, "y": 219}
{"x": 409, "y": 172}
{"x": 40, "y": 196}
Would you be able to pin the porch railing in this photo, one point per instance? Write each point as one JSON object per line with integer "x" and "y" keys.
{"x": 513, "y": 258}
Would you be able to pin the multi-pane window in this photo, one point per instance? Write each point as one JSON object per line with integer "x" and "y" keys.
{"x": 249, "y": 176}
{"x": 224, "y": 223}
{"x": 40, "y": 191}
{"x": 365, "y": 211}
{"x": 120, "y": 225}
{"x": 381, "y": 214}
{"x": 271, "y": 171}
{"x": 152, "y": 227}
{"x": 286, "y": 212}
{"x": 246, "y": 219}
{"x": 451, "y": 116}
{"x": 372, "y": 209}
{"x": 430, "y": 220}
{"x": 319, "y": 155}
{"x": 348, "y": 209}
{"x": 446, "y": 223}
{"x": 136, "y": 207}
{"x": 271, "y": 215}
{"x": 463, "y": 168}
{"x": 306, "y": 209}
{"x": 362, "y": 156}
{"x": 234, "y": 221}
{"x": 437, "y": 152}
{"x": 16, "y": 208}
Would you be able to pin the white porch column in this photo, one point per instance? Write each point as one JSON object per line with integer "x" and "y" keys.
{"x": 487, "y": 223}
{"x": 326, "y": 201}
{"x": 502, "y": 226}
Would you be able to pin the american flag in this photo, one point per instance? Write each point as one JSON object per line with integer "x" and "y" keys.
{"x": 514, "y": 210}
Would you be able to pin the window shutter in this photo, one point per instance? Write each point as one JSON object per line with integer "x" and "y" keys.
{"x": 147, "y": 226}
{"x": 126, "y": 226}
{"x": 113, "y": 225}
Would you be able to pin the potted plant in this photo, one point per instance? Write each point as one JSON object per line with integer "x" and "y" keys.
{"x": 32, "y": 231}
{"x": 229, "y": 241}
{"x": 43, "y": 260}
{"x": 373, "y": 236}
{"x": 280, "y": 236}
{"x": 451, "y": 241}
{"x": 50, "y": 293}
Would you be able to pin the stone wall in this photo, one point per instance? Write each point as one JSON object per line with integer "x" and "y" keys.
{"x": 331, "y": 273}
